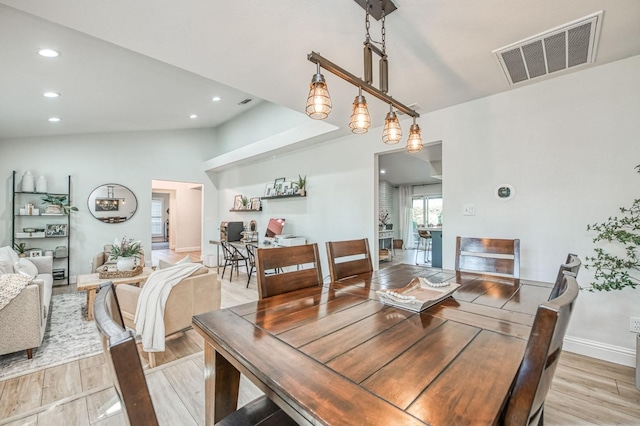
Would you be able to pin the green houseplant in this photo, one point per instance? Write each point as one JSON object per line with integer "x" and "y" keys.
{"x": 616, "y": 270}
{"x": 126, "y": 251}
{"x": 20, "y": 248}
{"x": 302, "y": 185}
{"x": 57, "y": 204}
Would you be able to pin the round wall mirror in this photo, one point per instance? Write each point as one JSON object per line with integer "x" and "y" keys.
{"x": 112, "y": 203}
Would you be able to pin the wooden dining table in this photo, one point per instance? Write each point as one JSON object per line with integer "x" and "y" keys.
{"x": 337, "y": 355}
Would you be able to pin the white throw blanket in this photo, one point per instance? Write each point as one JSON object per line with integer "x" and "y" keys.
{"x": 149, "y": 317}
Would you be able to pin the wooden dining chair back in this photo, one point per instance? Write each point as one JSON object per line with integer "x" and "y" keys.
{"x": 122, "y": 357}
{"x": 526, "y": 402}
{"x": 571, "y": 266}
{"x": 300, "y": 257}
{"x": 488, "y": 256}
{"x": 359, "y": 256}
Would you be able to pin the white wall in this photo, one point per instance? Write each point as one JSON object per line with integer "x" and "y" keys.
{"x": 568, "y": 145}
{"x": 129, "y": 159}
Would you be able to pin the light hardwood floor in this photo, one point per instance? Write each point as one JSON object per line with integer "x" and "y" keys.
{"x": 585, "y": 391}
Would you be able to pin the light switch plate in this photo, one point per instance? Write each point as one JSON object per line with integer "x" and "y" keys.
{"x": 469, "y": 210}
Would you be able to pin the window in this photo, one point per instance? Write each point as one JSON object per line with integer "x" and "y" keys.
{"x": 427, "y": 210}
{"x": 157, "y": 225}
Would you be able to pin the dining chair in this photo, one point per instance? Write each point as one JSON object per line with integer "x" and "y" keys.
{"x": 348, "y": 267}
{"x": 251, "y": 260}
{"x": 488, "y": 256}
{"x": 525, "y": 405}
{"x": 129, "y": 379}
{"x": 233, "y": 258}
{"x": 571, "y": 266}
{"x": 122, "y": 357}
{"x": 288, "y": 280}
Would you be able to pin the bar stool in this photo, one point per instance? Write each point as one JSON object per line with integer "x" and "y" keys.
{"x": 424, "y": 237}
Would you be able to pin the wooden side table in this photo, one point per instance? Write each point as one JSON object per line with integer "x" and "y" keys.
{"x": 91, "y": 282}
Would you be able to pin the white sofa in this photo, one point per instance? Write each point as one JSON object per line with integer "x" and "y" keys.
{"x": 24, "y": 319}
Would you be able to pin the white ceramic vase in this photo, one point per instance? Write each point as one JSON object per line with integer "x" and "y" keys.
{"x": 28, "y": 184}
{"x": 126, "y": 263}
{"x": 41, "y": 184}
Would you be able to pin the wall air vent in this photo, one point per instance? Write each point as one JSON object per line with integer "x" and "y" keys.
{"x": 559, "y": 49}
{"x": 416, "y": 107}
{"x": 245, "y": 101}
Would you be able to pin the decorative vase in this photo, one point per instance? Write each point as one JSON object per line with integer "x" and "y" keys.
{"x": 27, "y": 182}
{"x": 53, "y": 209}
{"x": 302, "y": 192}
{"x": 126, "y": 263}
{"x": 41, "y": 184}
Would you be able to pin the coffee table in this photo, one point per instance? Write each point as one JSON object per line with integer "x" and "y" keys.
{"x": 91, "y": 282}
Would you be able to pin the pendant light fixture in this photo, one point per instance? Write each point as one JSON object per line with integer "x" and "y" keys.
{"x": 360, "y": 120}
{"x": 319, "y": 103}
{"x": 414, "y": 143}
{"x": 392, "y": 132}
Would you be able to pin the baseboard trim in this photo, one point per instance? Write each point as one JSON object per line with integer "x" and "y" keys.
{"x": 603, "y": 351}
{"x": 183, "y": 249}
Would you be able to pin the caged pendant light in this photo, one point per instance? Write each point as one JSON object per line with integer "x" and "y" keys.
{"x": 360, "y": 120}
{"x": 319, "y": 102}
{"x": 392, "y": 133}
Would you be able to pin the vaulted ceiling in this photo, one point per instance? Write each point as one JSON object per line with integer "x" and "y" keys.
{"x": 150, "y": 64}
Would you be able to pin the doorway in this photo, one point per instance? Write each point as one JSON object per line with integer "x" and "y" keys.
{"x": 176, "y": 216}
{"x": 416, "y": 180}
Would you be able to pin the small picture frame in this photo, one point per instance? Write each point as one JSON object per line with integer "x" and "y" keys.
{"x": 270, "y": 190}
{"x": 35, "y": 253}
{"x": 255, "y": 203}
{"x": 278, "y": 184}
{"x": 237, "y": 202}
{"x": 56, "y": 230}
{"x": 293, "y": 188}
{"x": 286, "y": 188}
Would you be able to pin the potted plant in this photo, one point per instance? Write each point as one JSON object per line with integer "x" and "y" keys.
{"x": 383, "y": 218}
{"x": 126, "y": 251}
{"x": 245, "y": 202}
{"x": 302, "y": 184}
{"x": 21, "y": 249}
{"x": 57, "y": 204}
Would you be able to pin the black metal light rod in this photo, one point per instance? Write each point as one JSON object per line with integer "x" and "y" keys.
{"x": 346, "y": 75}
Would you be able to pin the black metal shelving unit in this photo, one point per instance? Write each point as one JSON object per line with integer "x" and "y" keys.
{"x": 37, "y": 221}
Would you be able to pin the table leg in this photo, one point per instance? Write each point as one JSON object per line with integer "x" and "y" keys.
{"x": 222, "y": 384}
{"x": 91, "y": 296}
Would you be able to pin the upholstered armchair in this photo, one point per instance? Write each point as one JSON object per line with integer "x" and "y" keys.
{"x": 194, "y": 295}
{"x": 104, "y": 258}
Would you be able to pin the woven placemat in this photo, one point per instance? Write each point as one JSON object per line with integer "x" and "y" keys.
{"x": 121, "y": 274}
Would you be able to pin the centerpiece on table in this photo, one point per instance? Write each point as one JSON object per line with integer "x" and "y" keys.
{"x": 126, "y": 251}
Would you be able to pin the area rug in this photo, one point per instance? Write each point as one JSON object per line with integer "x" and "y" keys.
{"x": 68, "y": 336}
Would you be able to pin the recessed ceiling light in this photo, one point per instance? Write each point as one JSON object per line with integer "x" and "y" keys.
{"x": 51, "y": 95}
{"x": 48, "y": 53}
{"x": 193, "y": 116}
{"x": 383, "y": 171}
{"x": 215, "y": 98}
{"x": 54, "y": 119}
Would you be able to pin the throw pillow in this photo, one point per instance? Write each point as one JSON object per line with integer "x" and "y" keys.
{"x": 7, "y": 258}
{"x": 164, "y": 265}
{"x": 25, "y": 267}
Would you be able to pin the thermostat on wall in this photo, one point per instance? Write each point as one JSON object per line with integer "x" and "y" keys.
{"x": 504, "y": 192}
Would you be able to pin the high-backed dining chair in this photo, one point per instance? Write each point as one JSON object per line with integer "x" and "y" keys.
{"x": 353, "y": 266}
{"x": 286, "y": 257}
{"x": 526, "y": 402}
{"x": 488, "y": 256}
{"x": 233, "y": 258}
{"x": 571, "y": 266}
{"x": 251, "y": 261}
{"x": 129, "y": 379}
{"x": 122, "y": 357}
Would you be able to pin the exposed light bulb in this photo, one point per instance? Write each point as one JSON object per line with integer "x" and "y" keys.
{"x": 319, "y": 100}
{"x": 414, "y": 143}
{"x": 360, "y": 120}
{"x": 392, "y": 132}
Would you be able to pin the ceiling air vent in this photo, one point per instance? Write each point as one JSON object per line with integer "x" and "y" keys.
{"x": 561, "y": 48}
{"x": 416, "y": 107}
{"x": 245, "y": 101}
